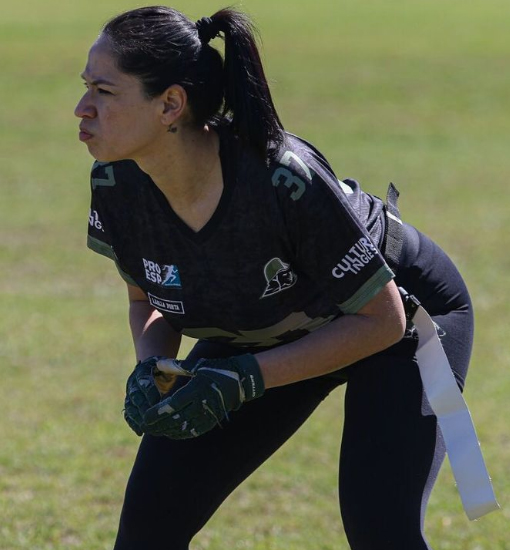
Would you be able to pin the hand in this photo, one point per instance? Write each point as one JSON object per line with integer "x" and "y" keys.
{"x": 145, "y": 387}
{"x": 218, "y": 386}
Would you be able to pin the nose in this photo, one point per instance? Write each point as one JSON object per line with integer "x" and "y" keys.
{"x": 85, "y": 109}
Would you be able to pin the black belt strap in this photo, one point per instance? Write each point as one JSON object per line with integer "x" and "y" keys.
{"x": 394, "y": 231}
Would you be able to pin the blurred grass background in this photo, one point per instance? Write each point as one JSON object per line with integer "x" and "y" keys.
{"x": 416, "y": 92}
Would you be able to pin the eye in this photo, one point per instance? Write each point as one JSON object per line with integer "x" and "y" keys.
{"x": 99, "y": 90}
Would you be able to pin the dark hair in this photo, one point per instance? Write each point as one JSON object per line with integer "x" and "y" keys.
{"x": 161, "y": 46}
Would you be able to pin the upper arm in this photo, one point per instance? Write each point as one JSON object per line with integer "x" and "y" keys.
{"x": 106, "y": 214}
{"x": 331, "y": 245}
{"x": 136, "y": 294}
{"x": 386, "y": 306}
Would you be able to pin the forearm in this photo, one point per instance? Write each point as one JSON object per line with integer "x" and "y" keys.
{"x": 342, "y": 342}
{"x": 152, "y": 335}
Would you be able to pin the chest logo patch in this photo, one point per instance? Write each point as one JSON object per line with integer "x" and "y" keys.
{"x": 279, "y": 277}
{"x": 163, "y": 275}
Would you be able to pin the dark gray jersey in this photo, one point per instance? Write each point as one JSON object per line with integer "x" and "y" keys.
{"x": 288, "y": 249}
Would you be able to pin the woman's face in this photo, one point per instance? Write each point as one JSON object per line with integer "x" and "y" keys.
{"x": 118, "y": 121}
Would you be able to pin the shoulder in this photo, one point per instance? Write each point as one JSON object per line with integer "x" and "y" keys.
{"x": 113, "y": 174}
{"x": 115, "y": 187}
{"x": 303, "y": 171}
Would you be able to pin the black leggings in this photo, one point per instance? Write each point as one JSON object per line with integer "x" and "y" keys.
{"x": 391, "y": 449}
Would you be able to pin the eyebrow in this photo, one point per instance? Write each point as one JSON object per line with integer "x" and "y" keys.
{"x": 98, "y": 81}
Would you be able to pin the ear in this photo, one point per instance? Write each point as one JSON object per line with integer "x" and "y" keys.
{"x": 173, "y": 103}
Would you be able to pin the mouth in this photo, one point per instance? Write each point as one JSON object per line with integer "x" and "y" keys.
{"x": 84, "y": 135}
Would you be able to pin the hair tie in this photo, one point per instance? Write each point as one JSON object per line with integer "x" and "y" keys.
{"x": 207, "y": 29}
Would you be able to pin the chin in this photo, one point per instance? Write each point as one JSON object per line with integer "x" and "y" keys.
{"x": 102, "y": 154}
{"x": 105, "y": 157}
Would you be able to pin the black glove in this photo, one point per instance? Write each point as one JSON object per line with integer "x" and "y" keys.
{"x": 217, "y": 387}
{"x": 145, "y": 387}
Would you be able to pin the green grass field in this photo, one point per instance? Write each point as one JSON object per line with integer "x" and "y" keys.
{"x": 416, "y": 92}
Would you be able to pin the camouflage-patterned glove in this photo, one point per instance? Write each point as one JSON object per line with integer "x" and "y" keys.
{"x": 218, "y": 386}
{"x": 144, "y": 389}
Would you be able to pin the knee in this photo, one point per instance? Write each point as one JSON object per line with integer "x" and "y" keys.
{"x": 149, "y": 520}
{"x": 139, "y": 530}
{"x": 383, "y": 533}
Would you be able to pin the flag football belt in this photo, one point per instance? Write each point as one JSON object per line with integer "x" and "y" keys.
{"x": 440, "y": 387}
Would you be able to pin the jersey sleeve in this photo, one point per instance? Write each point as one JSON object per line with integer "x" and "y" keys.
{"x": 101, "y": 218}
{"x": 331, "y": 246}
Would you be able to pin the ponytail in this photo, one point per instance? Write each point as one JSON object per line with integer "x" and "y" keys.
{"x": 247, "y": 98}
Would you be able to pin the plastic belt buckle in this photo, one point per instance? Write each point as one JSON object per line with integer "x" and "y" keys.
{"x": 411, "y": 303}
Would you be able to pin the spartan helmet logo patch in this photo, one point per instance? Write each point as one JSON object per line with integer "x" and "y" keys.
{"x": 279, "y": 276}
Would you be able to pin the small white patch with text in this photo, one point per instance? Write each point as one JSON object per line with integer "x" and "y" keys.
{"x": 171, "y": 306}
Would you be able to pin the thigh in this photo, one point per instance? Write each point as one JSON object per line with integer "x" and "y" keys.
{"x": 175, "y": 486}
{"x": 427, "y": 272}
{"x": 392, "y": 448}
{"x": 391, "y": 454}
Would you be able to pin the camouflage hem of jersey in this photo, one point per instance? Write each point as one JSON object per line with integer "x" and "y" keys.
{"x": 106, "y": 250}
{"x": 382, "y": 276}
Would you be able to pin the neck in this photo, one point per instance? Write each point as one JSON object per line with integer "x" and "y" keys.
{"x": 184, "y": 162}
{"x": 187, "y": 169}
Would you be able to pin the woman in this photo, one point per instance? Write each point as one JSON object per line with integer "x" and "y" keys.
{"x": 232, "y": 231}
